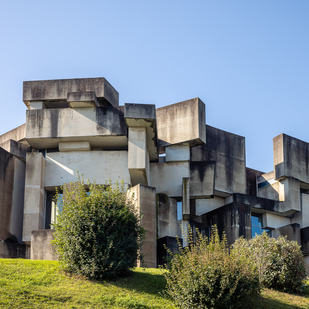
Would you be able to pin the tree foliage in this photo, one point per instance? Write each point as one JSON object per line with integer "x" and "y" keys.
{"x": 206, "y": 275}
{"x": 98, "y": 232}
{"x": 279, "y": 261}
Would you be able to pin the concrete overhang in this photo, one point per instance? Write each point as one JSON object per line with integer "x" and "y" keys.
{"x": 144, "y": 115}
{"x": 55, "y": 92}
{"x": 82, "y": 99}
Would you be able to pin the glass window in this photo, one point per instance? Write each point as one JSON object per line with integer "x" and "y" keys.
{"x": 179, "y": 210}
{"x": 256, "y": 225}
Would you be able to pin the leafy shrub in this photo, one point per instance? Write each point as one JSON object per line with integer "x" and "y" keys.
{"x": 206, "y": 275}
{"x": 279, "y": 261}
{"x": 98, "y": 232}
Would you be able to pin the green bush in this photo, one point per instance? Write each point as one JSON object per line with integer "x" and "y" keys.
{"x": 98, "y": 233}
{"x": 279, "y": 261}
{"x": 206, "y": 275}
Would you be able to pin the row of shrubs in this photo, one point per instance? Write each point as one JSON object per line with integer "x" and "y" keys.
{"x": 210, "y": 274}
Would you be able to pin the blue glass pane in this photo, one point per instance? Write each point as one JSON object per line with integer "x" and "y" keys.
{"x": 179, "y": 210}
{"x": 255, "y": 230}
{"x": 255, "y": 220}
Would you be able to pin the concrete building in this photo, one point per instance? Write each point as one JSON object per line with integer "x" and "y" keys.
{"x": 182, "y": 171}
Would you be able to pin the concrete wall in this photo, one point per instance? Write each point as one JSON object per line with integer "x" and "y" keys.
{"x": 16, "y": 134}
{"x": 302, "y": 217}
{"x": 182, "y": 122}
{"x": 62, "y": 167}
{"x": 177, "y": 153}
{"x": 57, "y": 90}
{"x": 103, "y": 127}
{"x": 138, "y": 157}
{"x": 166, "y": 216}
{"x": 204, "y": 206}
{"x": 145, "y": 202}
{"x": 167, "y": 177}
{"x": 292, "y": 231}
{"x": 16, "y": 148}
{"x": 41, "y": 246}
{"x": 291, "y": 158}
{"x": 34, "y": 207}
{"x": 273, "y": 221}
{"x": 251, "y": 176}
{"x": 228, "y": 151}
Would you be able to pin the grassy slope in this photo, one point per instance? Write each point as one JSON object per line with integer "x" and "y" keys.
{"x": 41, "y": 284}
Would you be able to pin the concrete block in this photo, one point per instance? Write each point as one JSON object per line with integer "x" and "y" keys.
{"x": 145, "y": 202}
{"x": 61, "y": 167}
{"x": 138, "y": 160}
{"x": 167, "y": 216}
{"x": 292, "y": 231}
{"x": 34, "y": 202}
{"x": 17, "y": 134}
{"x": 291, "y": 158}
{"x": 144, "y": 115}
{"x": 82, "y": 99}
{"x": 182, "y": 122}
{"x": 41, "y": 246}
{"x": 103, "y": 127}
{"x": 273, "y": 221}
{"x": 304, "y": 235}
{"x": 16, "y": 148}
{"x": 177, "y": 153}
{"x": 202, "y": 179}
{"x": 229, "y": 153}
{"x": 186, "y": 198}
{"x": 74, "y": 146}
{"x": 204, "y": 206}
{"x": 50, "y": 91}
{"x": 167, "y": 177}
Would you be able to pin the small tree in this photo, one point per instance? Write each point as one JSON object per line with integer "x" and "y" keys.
{"x": 98, "y": 233}
{"x": 207, "y": 275}
{"x": 279, "y": 261}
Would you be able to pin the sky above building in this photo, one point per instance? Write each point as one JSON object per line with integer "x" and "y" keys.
{"x": 246, "y": 60}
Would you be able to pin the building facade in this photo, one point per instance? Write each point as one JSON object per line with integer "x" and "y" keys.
{"x": 183, "y": 173}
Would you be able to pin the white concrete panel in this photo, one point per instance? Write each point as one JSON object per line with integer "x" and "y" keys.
{"x": 177, "y": 153}
{"x": 74, "y": 146}
{"x": 62, "y": 167}
{"x": 167, "y": 177}
{"x": 137, "y": 148}
{"x": 272, "y": 221}
{"x": 203, "y": 206}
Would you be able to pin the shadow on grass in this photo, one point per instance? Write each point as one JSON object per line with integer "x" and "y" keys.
{"x": 139, "y": 282}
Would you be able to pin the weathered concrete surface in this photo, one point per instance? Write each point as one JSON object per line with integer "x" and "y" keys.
{"x": 74, "y": 146}
{"x": 16, "y": 134}
{"x": 6, "y": 194}
{"x": 304, "y": 235}
{"x": 185, "y": 198}
{"x": 57, "y": 90}
{"x": 177, "y": 153}
{"x": 167, "y": 177}
{"x": 41, "y": 246}
{"x": 166, "y": 216}
{"x": 183, "y": 122}
{"x": 228, "y": 151}
{"x": 273, "y": 221}
{"x": 291, "y": 158}
{"x": 16, "y": 148}
{"x": 62, "y": 167}
{"x": 10, "y": 249}
{"x": 34, "y": 207}
{"x": 103, "y": 127}
{"x": 204, "y": 206}
{"x": 138, "y": 156}
{"x": 144, "y": 115}
{"x": 145, "y": 202}
{"x": 202, "y": 179}
{"x": 82, "y": 99}
{"x": 292, "y": 231}
{"x": 234, "y": 219}
{"x": 302, "y": 217}
{"x": 251, "y": 176}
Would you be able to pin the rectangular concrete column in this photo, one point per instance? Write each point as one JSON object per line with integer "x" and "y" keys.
{"x": 145, "y": 202}
{"x": 138, "y": 156}
{"x": 186, "y": 198}
{"x": 34, "y": 208}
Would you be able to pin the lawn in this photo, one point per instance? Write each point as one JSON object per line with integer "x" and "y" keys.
{"x": 42, "y": 284}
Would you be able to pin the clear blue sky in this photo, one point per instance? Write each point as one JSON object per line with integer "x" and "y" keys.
{"x": 246, "y": 60}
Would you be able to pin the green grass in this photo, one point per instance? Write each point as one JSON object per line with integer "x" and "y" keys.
{"x": 42, "y": 284}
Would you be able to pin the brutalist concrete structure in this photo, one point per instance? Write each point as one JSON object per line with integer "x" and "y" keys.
{"x": 183, "y": 173}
